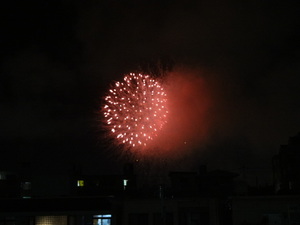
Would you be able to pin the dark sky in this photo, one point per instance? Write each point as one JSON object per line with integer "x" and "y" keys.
{"x": 59, "y": 57}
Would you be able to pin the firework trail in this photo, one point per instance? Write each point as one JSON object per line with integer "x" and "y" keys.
{"x": 135, "y": 111}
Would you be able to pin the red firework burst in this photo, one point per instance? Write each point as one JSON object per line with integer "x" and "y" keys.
{"x": 135, "y": 110}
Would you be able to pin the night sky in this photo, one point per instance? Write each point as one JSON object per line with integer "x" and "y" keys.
{"x": 58, "y": 59}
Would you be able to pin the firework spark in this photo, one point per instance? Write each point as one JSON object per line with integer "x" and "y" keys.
{"x": 135, "y": 110}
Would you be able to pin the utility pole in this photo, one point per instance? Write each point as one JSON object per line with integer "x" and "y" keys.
{"x": 163, "y": 211}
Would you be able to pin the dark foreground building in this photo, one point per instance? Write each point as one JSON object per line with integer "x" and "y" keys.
{"x": 108, "y": 211}
{"x": 189, "y": 198}
{"x": 185, "y": 198}
{"x": 56, "y": 211}
{"x": 286, "y": 167}
{"x": 266, "y": 210}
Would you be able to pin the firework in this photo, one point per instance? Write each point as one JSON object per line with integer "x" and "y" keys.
{"x": 135, "y": 110}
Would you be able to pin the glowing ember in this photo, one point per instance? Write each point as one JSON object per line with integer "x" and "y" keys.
{"x": 135, "y": 110}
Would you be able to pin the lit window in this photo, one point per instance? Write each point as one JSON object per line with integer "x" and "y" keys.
{"x": 104, "y": 219}
{"x": 51, "y": 220}
{"x": 103, "y": 216}
{"x": 80, "y": 183}
{"x": 125, "y": 184}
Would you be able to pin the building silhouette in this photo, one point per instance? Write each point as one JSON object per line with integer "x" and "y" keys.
{"x": 286, "y": 167}
{"x": 200, "y": 197}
